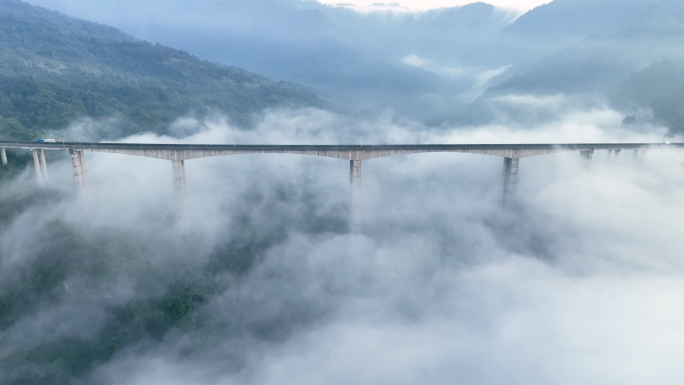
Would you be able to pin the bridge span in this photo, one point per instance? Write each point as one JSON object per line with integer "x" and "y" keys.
{"x": 355, "y": 154}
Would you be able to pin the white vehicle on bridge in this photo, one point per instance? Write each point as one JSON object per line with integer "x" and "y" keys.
{"x": 47, "y": 140}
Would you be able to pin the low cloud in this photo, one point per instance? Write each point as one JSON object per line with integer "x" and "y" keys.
{"x": 580, "y": 283}
{"x": 479, "y": 77}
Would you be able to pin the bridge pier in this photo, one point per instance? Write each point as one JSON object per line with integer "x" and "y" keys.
{"x": 80, "y": 173}
{"x": 36, "y": 163}
{"x": 510, "y": 179}
{"x": 3, "y": 155}
{"x": 616, "y": 157}
{"x": 642, "y": 157}
{"x": 639, "y": 156}
{"x": 43, "y": 166}
{"x": 179, "y": 188}
{"x": 586, "y": 157}
{"x": 355, "y": 214}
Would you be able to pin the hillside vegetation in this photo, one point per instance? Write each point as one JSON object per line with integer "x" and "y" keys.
{"x": 55, "y": 69}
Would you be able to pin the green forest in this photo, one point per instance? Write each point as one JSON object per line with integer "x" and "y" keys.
{"x": 55, "y": 69}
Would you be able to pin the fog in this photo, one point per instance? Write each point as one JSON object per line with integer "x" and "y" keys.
{"x": 579, "y": 282}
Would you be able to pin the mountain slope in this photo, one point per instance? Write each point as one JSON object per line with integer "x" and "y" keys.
{"x": 447, "y": 34}
{"x": 659, "y": 87}
{"x": 617, "y": 40}
{"x": 614, "y": 37}
{"x": 284, "y": 39}
{"x": 317, "y": 45}
{"x": 54, "y": 69}
{"x": 565, "y": 21}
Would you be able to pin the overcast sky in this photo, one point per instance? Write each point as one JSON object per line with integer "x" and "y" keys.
{"x": 427, "y": 4}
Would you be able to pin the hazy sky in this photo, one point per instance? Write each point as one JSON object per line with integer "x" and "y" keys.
{"x": 426, "y": 4}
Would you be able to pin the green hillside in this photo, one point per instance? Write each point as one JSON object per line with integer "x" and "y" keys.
{"x": 54, "y": 69}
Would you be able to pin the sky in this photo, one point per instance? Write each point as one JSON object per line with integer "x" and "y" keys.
{"x": 427, "y": 4}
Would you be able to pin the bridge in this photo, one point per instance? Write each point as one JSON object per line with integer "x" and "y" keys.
{"x": 177, "y": 154}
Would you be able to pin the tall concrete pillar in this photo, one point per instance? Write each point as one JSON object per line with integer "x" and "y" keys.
{"x": 609, "y": 157}
{"x": 635, "y": 155}
{"x": 78, "y": 162}
{"x": 43, "y": 166}
{"x": 617, "y": 156}
{"x": 179, "y": 188}
{"x": 642, "y": 157}
{"x": 355, "y": 213}
{"x": 510, "y": 179}
{"x": 36, "y": 163}
{"x": 586, "y": 157}
{"x": 84, "y": 169}
{"x": 3, "y": 155}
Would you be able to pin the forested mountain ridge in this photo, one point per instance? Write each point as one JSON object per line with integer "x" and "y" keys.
{"x": 55, "y": 69}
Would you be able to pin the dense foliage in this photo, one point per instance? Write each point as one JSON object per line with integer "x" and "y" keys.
{"x": 55, "y": 69}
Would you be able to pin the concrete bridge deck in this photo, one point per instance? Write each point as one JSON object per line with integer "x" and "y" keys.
{"x": 179, "y": 153}
{"x": 349, "y": 152}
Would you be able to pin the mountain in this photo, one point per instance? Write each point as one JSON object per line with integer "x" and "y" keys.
{"x": 566, "y": 21}
{"x": 283, "y": 39}
{"x": 363, "y": 57}
{"x": 660, "y": 88}
{"x": 444, "y": 34}
{"x": 624, "y": 35}
{"x": 55, "y": 69}
{"x": 441, "y": 65}
{"x": 595, "y": 45}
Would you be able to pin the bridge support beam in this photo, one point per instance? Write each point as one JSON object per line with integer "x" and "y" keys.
{"x": 179, "y": 188}
{"x": 80, "y": 173}
{"x": 639, "y": 156}
{"x": 642, "y": 157}
{"x": 586, "y": 157}
{"x": 43, "y": 166}
{"x": 616, "y": 157}
{"x": 36, "y": 163}
{"x": 510, "y": 179}
{"x": 3, "y": 155}
{"x": 355, "y": 214}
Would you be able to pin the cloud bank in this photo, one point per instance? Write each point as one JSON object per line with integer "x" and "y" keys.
{"x": 580, "y": 283}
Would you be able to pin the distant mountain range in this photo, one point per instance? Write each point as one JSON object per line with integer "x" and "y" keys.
{"x": 55, "y": 69}
{"x": 334, "y": 49}
{"x": 438, "y": 66}
{"x": 601, "y": 44}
